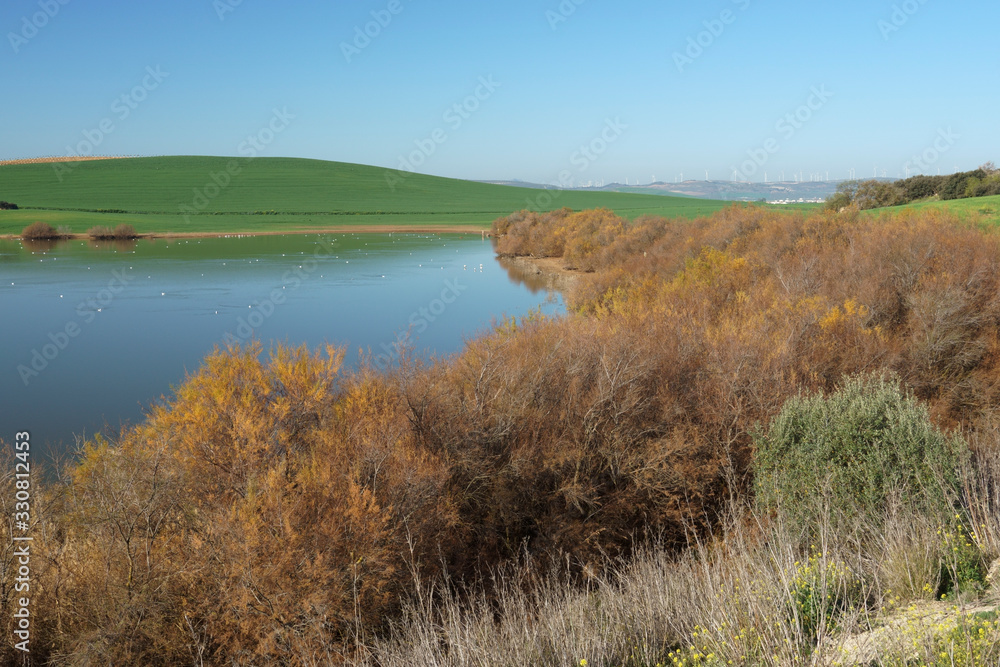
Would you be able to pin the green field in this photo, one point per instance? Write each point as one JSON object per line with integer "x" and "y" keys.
{"x": 980, "y": 209}
{"x": 195, "y": 194}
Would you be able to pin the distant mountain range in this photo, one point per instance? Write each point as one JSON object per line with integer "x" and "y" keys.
{"x": 724, "y": 190}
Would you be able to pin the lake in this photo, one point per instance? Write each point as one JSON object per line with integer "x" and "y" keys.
{"x": 93, "y": 333}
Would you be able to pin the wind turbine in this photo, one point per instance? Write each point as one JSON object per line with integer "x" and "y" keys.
{"x": 706, "y": 174}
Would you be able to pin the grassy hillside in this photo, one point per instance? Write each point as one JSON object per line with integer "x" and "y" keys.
{"x": 195, "y": 194}
{"x": 982, "y": 210}
{"x": 987, "y": 209}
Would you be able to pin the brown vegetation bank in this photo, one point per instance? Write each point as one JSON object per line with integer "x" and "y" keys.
{"x": 279, "y": 510}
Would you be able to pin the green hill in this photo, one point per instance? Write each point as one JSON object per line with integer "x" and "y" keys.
{"x": 985, "y": 208}
{"x": 981, "y": 209}
{"x": 218, "y": 194}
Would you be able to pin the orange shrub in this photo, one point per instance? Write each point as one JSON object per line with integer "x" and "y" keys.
{"x": 276, "y": 511}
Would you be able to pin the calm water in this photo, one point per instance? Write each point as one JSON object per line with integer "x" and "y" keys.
{"x": 93, "y": 334}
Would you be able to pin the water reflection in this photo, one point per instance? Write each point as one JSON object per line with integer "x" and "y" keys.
{"x": 104, "y": 328}
{"x": 47, "y": 245}
{"x": 121, "y": 245}
{"x": 41, "y": 245}
{"x": 535, "y": 275}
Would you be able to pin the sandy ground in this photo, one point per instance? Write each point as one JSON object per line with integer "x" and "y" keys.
{"x": 542, "y": 272}
{"x": 46, "y": 160}
{"x": 903, "y": 634}
{"x": 543, "y": 265}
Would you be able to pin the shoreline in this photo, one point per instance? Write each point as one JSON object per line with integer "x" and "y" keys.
{"x": 336, "y": 229}
{"x": 543, "y": 272}
{"x": 64, "y": 158}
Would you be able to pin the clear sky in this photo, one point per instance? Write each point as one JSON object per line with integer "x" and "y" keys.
{"x": 889, "y": 81}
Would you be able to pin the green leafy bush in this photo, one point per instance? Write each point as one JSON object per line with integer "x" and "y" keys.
{"x": 823, "y": 589}
{"x": 852, "y": 451}
{"x": 956, "y": 184}
{"x": 963, "y": 566}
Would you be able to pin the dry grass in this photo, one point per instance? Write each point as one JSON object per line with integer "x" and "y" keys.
{"x": 755, "y": 596}
{"x": 121, "y": 232}
{"x": 982, "y": 491}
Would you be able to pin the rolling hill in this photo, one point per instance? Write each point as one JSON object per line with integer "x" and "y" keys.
{"x": 181, "y": 194}
{"x": 982, "y": 209}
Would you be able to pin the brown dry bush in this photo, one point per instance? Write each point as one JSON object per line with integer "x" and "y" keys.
{"x": 122, "y": 231}
{"x": 306, "y": 492}
{"x": 279, "y": 510}
{"x": 100, "y": 232}
{"x": 119, "y": 559}
{"x": 270, "y": 513}
{"x": 40, "y": 230}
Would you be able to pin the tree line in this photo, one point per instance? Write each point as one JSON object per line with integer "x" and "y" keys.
{"x": 981, "y": 182}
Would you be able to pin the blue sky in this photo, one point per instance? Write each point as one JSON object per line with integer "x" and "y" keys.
{"x": 897, "y": 81}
